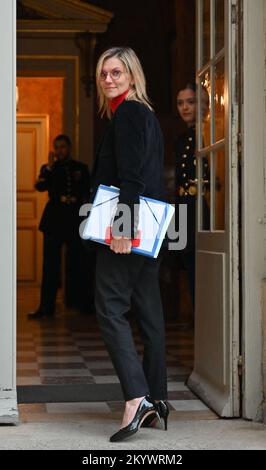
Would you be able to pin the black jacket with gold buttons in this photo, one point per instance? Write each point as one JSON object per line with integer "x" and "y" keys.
{"x": 68, "y": 186}
{"x": 186, "y": 183}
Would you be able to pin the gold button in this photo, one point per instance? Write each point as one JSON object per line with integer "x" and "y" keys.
{"x": 184, "y": 156}
{"x": 192, "y": 190}
{"x": 183, "y": 165}
{"x": 184, "y": 175}
{"x": 194, "y": 161}
{"x": 187, "y": 147}
{"x": 190, "y": 139}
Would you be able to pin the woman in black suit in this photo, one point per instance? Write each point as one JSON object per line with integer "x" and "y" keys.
{"x": 186, "y": 182}
{"x": 130, "y": 156}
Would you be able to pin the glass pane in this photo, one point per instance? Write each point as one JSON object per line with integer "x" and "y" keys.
{"x": 219, "y": 172}
{"x": 219, "y": 101}
{"x": 219, "y": 25}
{"x": 204, "y": 175}
{"x": 204, "y": 96}
{"x": 206, "y": 28}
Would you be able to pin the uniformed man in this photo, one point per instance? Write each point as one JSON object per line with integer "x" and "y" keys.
{"x": 186, "y": 183}
{"x": 68, "y": 184}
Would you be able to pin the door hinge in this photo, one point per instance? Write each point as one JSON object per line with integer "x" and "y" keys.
{"x": 240, "y": 365}
{"x": 234, "y": 14}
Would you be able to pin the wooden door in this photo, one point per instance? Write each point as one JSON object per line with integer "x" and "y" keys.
{"x": 215, "y": 376}
{"x": 32, "y": 152}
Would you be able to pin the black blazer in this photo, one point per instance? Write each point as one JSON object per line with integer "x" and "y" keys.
{"x": 130, "y": 156}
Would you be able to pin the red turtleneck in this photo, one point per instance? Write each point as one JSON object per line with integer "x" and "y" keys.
{"x": 115, "y": 102}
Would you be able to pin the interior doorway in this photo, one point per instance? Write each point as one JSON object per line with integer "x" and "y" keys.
{"x": 39, "y": 120}
{"x": 32, "y": 151}
{"x": 68, "y": 353}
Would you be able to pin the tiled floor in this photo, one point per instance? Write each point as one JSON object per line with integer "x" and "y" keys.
{"x": 69, "y": 350}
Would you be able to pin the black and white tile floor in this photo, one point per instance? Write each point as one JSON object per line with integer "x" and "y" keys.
{"x": 69, "y": 350}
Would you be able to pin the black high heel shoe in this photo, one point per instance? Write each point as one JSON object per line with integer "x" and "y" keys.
{"x": 145, "y": 407}
{"x": 163, "y": 412}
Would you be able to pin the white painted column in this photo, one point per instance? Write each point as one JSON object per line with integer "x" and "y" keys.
{"x": 8, "y": 399}
{"x": 253, "y": 205}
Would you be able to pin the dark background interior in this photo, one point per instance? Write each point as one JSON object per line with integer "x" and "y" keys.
{"x": 163, "y": 34}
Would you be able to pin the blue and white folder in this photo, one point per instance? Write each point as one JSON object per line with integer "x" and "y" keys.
{"x": 154, "y": 219}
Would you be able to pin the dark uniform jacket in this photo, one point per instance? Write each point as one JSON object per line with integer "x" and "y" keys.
{"x": 130, "y": 156}
{"x": 68, "y": 186}
{"x": 186, "y": 186}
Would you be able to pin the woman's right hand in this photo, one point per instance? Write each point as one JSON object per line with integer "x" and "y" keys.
{"x": 121, "y": 245}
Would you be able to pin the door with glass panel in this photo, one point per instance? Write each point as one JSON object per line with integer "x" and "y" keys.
{"x": 215, "y": 376}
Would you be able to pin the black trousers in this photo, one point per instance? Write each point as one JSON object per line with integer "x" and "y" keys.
{"x": 52, "y": 248}
{"x": 122, "y": 281}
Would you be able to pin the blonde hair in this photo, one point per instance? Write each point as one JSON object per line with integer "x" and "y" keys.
{"x": 133, "y": 67}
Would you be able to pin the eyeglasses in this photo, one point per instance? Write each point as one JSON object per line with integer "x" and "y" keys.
{"x": 114, "y": 74}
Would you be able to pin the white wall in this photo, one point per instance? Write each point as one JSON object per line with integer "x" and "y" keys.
{"x": 8, "y": 403}
{"x": 264, "y": 281}
{"x": 253, "y": 205}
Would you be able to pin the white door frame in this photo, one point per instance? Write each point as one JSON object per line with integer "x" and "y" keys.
{"x": 8, "y": 397}
{"x": 253, "y": 203}
{"x": 215, "y": 376}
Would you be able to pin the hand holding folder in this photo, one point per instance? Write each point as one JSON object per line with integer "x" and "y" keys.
{"x": 154, "y": 219}
{"x": 135, "y": 241}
